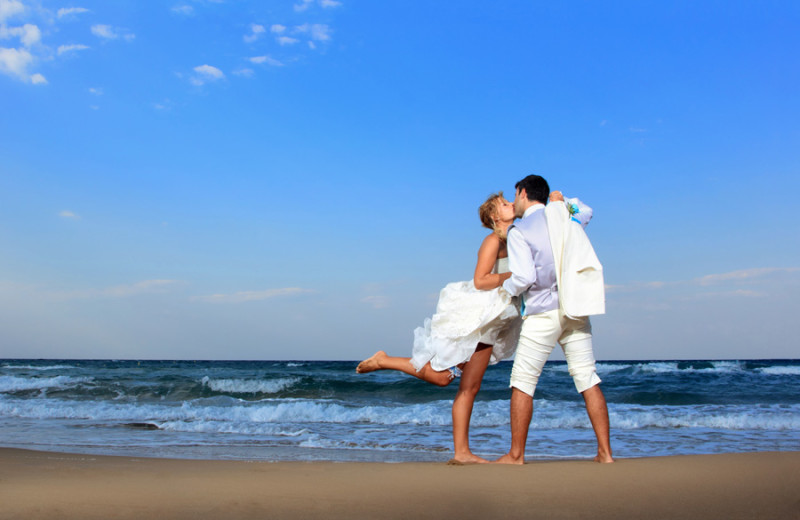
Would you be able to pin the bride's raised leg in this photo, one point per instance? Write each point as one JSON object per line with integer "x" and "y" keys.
{"x": 382, "y": 361}
{"x": 471, "y": 378}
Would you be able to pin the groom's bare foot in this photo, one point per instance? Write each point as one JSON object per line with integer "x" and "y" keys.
{"x": 604, "y": 459}
{"x": 508, "y": 459}
{"x": 372, "y": 363}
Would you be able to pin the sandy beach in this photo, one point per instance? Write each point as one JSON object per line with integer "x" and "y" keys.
{"x": 43, "y": 485}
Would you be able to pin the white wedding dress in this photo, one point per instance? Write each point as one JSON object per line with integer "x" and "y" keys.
{"x": 465, "y": 317}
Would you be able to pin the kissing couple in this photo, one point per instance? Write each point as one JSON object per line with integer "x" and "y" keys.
{"x": 536, "y": 283}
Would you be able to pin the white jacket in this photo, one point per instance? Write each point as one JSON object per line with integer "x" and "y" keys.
{"x": 581, "y": 290}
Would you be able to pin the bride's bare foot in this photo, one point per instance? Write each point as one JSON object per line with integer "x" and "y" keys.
{"x": 468, "y": 458}
{"x": 372, "y": 363}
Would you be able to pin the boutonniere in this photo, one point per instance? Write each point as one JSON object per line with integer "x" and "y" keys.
{"x": 573, "y": 209}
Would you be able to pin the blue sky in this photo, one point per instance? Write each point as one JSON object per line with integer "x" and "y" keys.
{"x": 298, "y": 179}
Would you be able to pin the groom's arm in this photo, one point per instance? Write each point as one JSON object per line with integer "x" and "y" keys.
{"x": 579, "y": 212}
{"x": 520, "y": 263}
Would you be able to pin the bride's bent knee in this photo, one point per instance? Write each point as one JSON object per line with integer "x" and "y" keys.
{"x": 433, "y": 377}
{"x": 443, "y": 378}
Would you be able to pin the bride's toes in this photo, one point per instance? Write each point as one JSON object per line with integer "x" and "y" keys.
{"x": 371, "y": 364}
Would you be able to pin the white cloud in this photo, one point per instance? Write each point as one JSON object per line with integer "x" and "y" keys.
{"x": 376, "y": 301}
{"x": 183, "y": 9}
{"x": 62, "y": 49}
{"x": 147, "y": 286}
{"x": 68, "y": 214}
{"x": 744, "y": 274}
{"x": 9, "y": 8}
{"x": 375, "y": 296}
{"x": 111, "y": 33}
{"x": 250, "y": 296}
{"x": 104, "y": 31}
{"x": 266, "y": 59}
{"x": 209, "y": 72}
{"x": 68, "y": 11}
{"x": 15, "y": 63}
{"x": 29, "y": 34}
{"x": 96, "y": 91}
{"x": 255, "y": 33}
{"x": 163, "y": 105}
{"x": 205, "y": 74}
{"x": 722, "y": 295}
{"x": 303, "y": 5}
{"x": 155, "y": 286}
{"x": 726, "y": 279}
{"x": 245, "y": 72}
{"x": 318, "y": 31}
{"x": 287, "y": 40}
{"x": 117, "y": 291}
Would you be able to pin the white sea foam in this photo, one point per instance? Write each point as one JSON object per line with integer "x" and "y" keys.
{"x": 667, "y": 367}
{"x": 244, "y": 428}
{"x": 249, "y": 386}
{"x": 733, "y": 418}
{"x": 606, "y": 368}
{"x": 10, "y": 384}
{"x": 295, "y": 415}
{"x": 602, "y": 368}
{"x": 32, "y": 367}
{"x": 780, "y": 371}
{"x": 658, "y": 368}
{"x": 724, "y": 366}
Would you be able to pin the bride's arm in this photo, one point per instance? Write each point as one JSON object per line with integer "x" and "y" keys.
{"x": 484, "y": 279}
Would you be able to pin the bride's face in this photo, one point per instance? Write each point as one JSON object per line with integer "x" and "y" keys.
{"x": 504, "y": 211}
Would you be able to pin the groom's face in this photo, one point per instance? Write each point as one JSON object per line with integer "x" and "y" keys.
{"x": 520, "y": 196}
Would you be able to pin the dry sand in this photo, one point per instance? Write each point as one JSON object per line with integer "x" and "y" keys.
{"x": 36, "y": 485}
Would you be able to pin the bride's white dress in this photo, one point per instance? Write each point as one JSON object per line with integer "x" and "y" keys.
{"x": 465, "y": 317}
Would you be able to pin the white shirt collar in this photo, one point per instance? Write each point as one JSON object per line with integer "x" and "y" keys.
{"x": 536, "y": 207}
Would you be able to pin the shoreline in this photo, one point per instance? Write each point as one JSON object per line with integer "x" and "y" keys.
{"x": 49, "y": 485}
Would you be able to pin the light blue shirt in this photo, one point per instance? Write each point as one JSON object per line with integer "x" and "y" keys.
{"x": 530, "y": 260}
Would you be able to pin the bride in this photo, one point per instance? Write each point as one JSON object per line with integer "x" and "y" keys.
{"x": 475, "y": 324}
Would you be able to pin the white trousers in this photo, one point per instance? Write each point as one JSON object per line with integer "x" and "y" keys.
{"x": 540, "y": 333}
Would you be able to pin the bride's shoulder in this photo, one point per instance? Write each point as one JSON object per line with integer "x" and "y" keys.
{"x": 491, "y": 245}
{"x": 492, "y": 239}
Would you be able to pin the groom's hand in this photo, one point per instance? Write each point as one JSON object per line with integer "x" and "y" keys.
{"x": 556, "y": 195}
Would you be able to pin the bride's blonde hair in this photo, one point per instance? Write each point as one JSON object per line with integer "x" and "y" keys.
{"x": 488, "y": 211}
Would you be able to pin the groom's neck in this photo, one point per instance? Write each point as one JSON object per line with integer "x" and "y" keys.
{"x": 531, "y": 203}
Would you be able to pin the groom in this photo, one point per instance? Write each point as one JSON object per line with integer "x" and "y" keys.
{"x": 554, "y": 267}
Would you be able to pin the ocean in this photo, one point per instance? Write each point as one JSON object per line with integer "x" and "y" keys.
{"x": 323, "y": 410}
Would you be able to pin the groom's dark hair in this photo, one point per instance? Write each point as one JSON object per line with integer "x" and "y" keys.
{"x": 535, "y": 187}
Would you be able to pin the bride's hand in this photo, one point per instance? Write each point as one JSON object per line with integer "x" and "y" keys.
{"x": 556, "y": 195}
